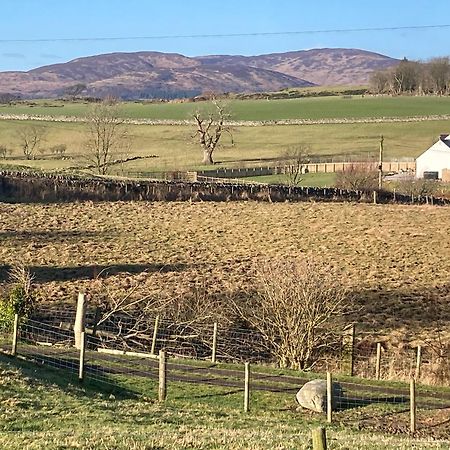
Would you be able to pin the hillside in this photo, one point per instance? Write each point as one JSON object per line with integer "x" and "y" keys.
{"x": 170, "y": 75}
{"x": 319, "y": 66}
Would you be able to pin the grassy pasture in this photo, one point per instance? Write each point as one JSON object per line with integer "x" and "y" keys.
{"x": 300, "y": 108}
{"x": 253, "y": 145}
{"x": 394, "y": 258}
{"x": 43, "y": 408}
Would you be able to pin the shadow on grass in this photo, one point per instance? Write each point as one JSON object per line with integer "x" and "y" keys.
{"x": 350, "y": 403}
{"x": 89, "y": 272}
{"x": 42, "y": 369}
{"x": 211, "y": 395}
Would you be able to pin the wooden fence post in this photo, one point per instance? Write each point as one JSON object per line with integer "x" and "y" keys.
{"x": 348, "y": 343}
{"x": 247, "y": 387}
{"x": 319, "y": 439}
{"x": 155, "y": 333}
{"x": 378, "y": 362}
{"x": 412, "y": 403}
{"x": 79, "y": 320}
{"x": 15, "y": 335}
{"x": 82, "y": 348}
{"x": 214, "y": 344}
{"x": 329, "y": 397}
{"x": 418, "y": 361}
{"x": 162, "y": 391}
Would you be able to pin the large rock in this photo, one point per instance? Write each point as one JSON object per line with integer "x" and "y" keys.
{"x": 313, "y": 395}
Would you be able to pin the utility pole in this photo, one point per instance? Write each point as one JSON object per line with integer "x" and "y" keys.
{"x": 380, "y": 165}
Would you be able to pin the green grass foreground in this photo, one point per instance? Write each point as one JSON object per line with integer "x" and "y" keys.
{"x": 43, "y": 408}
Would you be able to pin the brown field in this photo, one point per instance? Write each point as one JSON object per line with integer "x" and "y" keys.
{"x": 396, "y": 259}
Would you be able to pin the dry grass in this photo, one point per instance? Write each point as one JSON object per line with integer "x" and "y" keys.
{"x": 396, "y": 259}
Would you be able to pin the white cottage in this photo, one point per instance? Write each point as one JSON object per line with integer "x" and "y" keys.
{"x": 435, "y": 159}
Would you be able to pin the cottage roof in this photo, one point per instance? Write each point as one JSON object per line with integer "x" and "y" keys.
{"x": 446, "y": 141}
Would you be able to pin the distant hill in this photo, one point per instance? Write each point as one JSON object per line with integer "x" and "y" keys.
{"x": 170, "y": 75}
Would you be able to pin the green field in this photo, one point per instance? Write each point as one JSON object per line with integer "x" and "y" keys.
{"x": 254, "y": 146}
{"x": 302, "y": 108}
{"x": 308, "y": 179}
{"x": 45, "y": 408}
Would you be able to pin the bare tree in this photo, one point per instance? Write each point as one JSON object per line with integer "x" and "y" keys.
{"x": 107, "y": 135}
{"x": 30, "y": 137}
{"x": 210, "y": 130}
{"x": 295, "y": 158}
{"x": 379, "y": 81}
{"x": 298, "y": 308}
{"x": 4, "y": 151}
{"x": 358, "y": 177}
{"x": 439, "y": 69}
{"x": 127, "y": 318}
{"x": 406, "y": 76}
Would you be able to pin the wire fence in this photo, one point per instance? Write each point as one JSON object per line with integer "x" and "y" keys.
{"x": 129, "y": 370}
{"x": 354, "y": 353}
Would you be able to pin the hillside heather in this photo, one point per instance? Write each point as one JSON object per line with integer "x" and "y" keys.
{"x": 142, "y": 75}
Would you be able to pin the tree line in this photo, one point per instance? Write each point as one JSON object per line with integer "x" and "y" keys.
{"x": 414, "y": 77}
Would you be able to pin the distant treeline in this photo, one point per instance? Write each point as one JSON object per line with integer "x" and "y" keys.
{"x": 414, "y": 77}
{"x": 21, "y": 187}
{"x": 298, "y": 93}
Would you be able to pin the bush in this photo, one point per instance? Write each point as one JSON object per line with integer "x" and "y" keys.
{"x": 19, "y": 299}
{"x": 358, "y": 177}
{"x": 298, "y": 308}
{"x": 417, "y": 187}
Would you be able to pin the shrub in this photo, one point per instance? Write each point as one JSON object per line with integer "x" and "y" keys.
{"x": 358, "y": 177}
{"x": 417, "y": 187}
{"x": 19, "y": 299}
{"x": 298, "y": 309}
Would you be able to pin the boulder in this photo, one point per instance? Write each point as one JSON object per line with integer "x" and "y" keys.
{"x": 313, "y": 395}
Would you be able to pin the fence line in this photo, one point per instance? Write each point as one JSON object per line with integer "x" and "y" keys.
{"x": 51, "y": 346}
{"x": 362, "y": 356}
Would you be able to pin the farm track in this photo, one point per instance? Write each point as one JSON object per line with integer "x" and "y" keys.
{"x": 210, "y": 375}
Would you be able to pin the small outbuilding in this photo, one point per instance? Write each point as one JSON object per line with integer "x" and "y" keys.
{"x": 435, "y": 161}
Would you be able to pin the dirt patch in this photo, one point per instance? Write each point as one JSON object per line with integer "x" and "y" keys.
{"x": 433, "y": 424}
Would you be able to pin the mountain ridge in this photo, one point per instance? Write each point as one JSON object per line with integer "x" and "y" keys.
{"x": 151, "y": 74}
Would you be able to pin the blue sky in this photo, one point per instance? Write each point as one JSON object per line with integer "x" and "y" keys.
{"x": 62, "y": 19}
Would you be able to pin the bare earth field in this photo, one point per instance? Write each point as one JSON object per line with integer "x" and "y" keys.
{"x": 396, "y": 259}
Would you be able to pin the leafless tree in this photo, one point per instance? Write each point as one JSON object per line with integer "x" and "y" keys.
{"x": 295, "y": 158}
{"x": 107, "y": 135}
{"x": 406, "y": 76}
{"x": 439, "y": 69}
{"x": 30, "y": 137}
{"x": 210, "y": 129}
{"x": 127, "y": 319}
{"x": 379, "y": 82}
{"x": 298, "y": 308}
{"x": 4, "y": 151}
{"x": 358, "y": 177}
